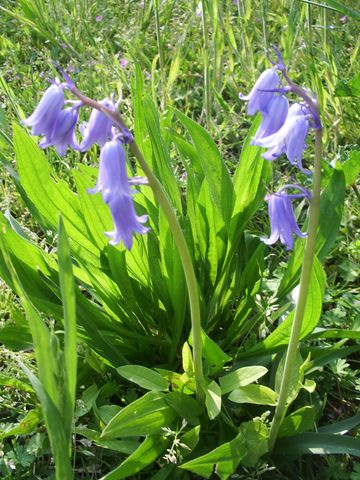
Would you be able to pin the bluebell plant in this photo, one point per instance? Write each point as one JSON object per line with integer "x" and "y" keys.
{"x": 284, "y": 130}
{"x": 107, "y": 129}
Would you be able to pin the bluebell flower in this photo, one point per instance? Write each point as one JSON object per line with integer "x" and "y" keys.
{"x": 99, "y": 128}
{"x": 289, "y": 139}
{"x": 282, "y": 218}
{"x": 63, "y": 133}
{"x": 126, "y": 222}
{"x": 115, "y": 188}
{"x": 112, "y": 179}
{"x": 274, "y": 118}
{"x": 262, "y": 92}
{"x": 45, "y": 115}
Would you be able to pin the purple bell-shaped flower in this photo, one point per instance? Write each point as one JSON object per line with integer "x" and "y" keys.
{"x": 63, "y": 133}
{"x": 126, "y": 222}
{"x": 45, "y": 115}
{"x": 289, "y": 139}
{"x": 115, "y": 188}
{"x": 273, "y": 119}
{"x": 262, "y": 92}
{"x": 99, "y": 128}
{"x": 282, "y": 218}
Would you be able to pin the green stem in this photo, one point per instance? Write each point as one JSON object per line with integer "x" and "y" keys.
{"x": 159, "y": 45}
{"x": 207, "y": 98}
{"x": 280, "y": 410}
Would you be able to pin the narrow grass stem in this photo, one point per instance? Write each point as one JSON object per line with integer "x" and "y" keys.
{"x": 165, "y": 204}
{"x": 159, "y": 45}
{"x": 280, "y": 410}
{"x": 207, "y": 95}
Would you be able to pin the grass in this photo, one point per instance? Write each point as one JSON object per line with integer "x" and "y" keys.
{"x": 166, "y": 40}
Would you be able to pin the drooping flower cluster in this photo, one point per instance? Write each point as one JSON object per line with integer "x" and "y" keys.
{"x": 57, "y": 125}
{"x": 283, "y": 130}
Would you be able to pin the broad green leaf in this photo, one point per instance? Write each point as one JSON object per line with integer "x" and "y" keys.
{"x": 161, "y": 156}
{"x": 148, "y": 452}
{"x": 329, "y": 355}
{"x": 250, "y": 178}
{"x": 145, "y": 416}
{"x": 187, "y": 360}
{"x": 298, "y": 422}
{"x": 49, "y": 195}
{"x": 331, "y": 333}
{"x": 351, "y": 167}
{"x": 241, "y": 377}
{"x": 191, "y": 439}
{"x": 144, "y": 377}
{"x": 341, "y": 427}
{"x": 47, "y": 364}
{"x": 24, "y": 427}
{"x": 348, "y": 89}
{"x": 67, "y": 287}
{"x": 12, "y": 382}
{"x": 213, "y": 399}
{"x": 255, "y": 394}
{"x": 60, "y": 446}
{"x": 246, "y": 449}
{"x": 213, "y": 354}
{"x": 185, "y": 406}
{"x": 15, "y": 334}
{"x": 294, "y": 382}
{"x": 95, "y": 212}
{"x": 212, "y": 166}
{"x": 316, "y": 444}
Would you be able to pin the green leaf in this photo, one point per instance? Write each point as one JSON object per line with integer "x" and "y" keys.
{"x": 161, "y": 159}
{"x": 58, "y": 436}
{"x": 213, "y": 399}
{"x": 250, "y": 178}
{"x": 212, "y": 167}
{"x": 241, "y": 377}
{"x": 148, "y": 452}
{"x": 47, "y": 195}
{"x": 191, "y": 439}
{"x": 185, "y": 406}
{"x": 348, "y": 89}
{"x": 12, "y": 382}
{"x": 25, "y": 426}
{"x": 256, "y": 394}
{"x": 351, "y": 167}
{"x": 145, "y": 416}
{"x": 246, "y": 448}
{"x": 144, "y": 377}
{"x": 15, "y": 334}
{"x": 214, "y": 356}
{"x": 340, "y": 7}
{"x": 67, "y": 287}
{"x": 294, "y": 382}
{"x": 316, "y": 444}
{"x": 280, "y": 336}
{"x": 341, "y": 427}
{"x": 299, "y": 421}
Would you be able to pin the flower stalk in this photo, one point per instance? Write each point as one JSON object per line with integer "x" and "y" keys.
{"x": 309, "y": 253}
